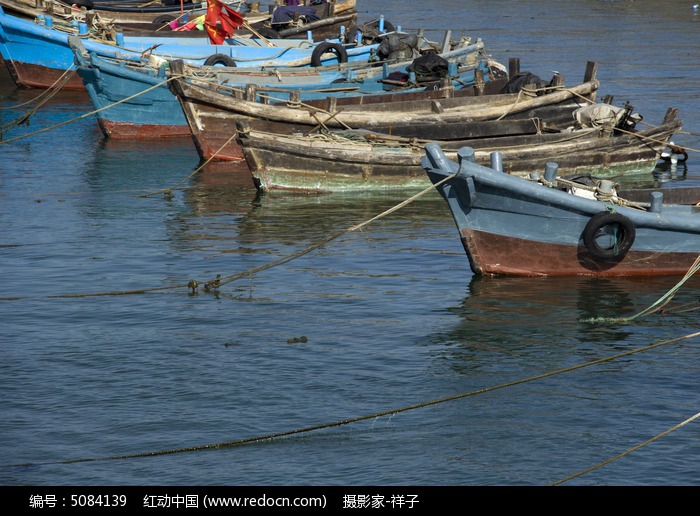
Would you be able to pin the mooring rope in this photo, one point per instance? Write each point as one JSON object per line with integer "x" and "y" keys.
{"x": 168, "y": 191}
{"x": 90, "y": 113}
{"x": 656, "y": 306}
{"x": 627, "y": 452}
{"x": 415, "y": 143}
{"x": 391, "y": 412}
{"x": 532, "y": 92}
{"x": 50, "y": 91}
{"x": 218, "y": 281}
{"x": 40, "y": 100}
{"x": 648, "y": 138}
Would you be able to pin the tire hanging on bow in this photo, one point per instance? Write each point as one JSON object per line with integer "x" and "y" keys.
{"x": 609, "y": 236}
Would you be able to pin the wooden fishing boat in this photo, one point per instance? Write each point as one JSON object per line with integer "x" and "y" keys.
{"x": 133, "y": 98}
{"x": 324, "y": 19}
{"x": 550, "y": 226}
{"x": 37, "y": 52}
{"x": 363, "y": 160}
{"x": 296, "y": 18}
{"x": 212, "y": 113}
{"x": 134, "y": 15}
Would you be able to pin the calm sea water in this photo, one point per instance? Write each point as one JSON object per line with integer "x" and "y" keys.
{"x": 368, "y": 323}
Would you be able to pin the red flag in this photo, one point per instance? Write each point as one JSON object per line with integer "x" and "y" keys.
{"x": 221, "y": 21}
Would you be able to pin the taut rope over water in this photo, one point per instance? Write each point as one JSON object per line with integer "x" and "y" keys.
{"x": 391, "y": 412}
{"x": 192, "y": 285}
{"x": 658, "y": 305}
{"x": 90, "y": 113}
{"x": 40, "y": 100}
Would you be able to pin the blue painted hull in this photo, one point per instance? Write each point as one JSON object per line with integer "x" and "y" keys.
{"x": 38, "y": 55}
{"x": 510, "y": 225}
{"x": 135, "y": 101}
{"x": 155, "y": 113}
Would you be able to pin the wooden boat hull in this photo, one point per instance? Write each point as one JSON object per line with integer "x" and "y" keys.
{"x": 148, "y": 17}
{"x": 212, "y": 114}
{"x": 512, "y": 226}
{"x": 493, "y": 255}
{"x": 38, "y": 76}
{"x": 133, "y": 99}
{"x": 358, "y": 160}
{"x": 136, "y": 16}
{"x": 130, "y": 103}
{"x": 332, "y": 18}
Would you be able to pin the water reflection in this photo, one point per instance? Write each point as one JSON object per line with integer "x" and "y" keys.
{"x": 505, "y": 314}
{"x": 667, "y": 171}
{"x": 295, "y": 218}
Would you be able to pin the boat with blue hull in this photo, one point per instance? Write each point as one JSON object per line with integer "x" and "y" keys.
{"x": 134, "y": 100}
{"x": 547, "y": 225}
{"x": 37, "y": 52}
{"x": 213, "y": 114}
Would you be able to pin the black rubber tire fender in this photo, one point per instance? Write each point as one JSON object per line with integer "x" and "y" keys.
{"x": 220, "y": 60}
{"x": 614, "y": 224}
{"x": 327, "y": 46}
{"x": 162, "y": 20}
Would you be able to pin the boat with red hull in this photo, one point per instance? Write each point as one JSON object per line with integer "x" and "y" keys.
{"x": 553, "y": 226}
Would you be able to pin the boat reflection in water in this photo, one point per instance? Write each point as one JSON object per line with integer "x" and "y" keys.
{"x": 667, "y": 171}
{"x": 519, "y": 314}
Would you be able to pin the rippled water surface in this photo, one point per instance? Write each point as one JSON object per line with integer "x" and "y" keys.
{"x": 370, "y": 322}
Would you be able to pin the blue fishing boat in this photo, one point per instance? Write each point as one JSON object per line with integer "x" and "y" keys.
{"x": 37, "y": 52}
{"x": 548, "y": 225}
{"x": 134, "y": 99}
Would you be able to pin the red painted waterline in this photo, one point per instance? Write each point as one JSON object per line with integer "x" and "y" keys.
{"x": 127, "y": 131}
{"x": 35, "y": 76}
{"x": 492, "y": 254}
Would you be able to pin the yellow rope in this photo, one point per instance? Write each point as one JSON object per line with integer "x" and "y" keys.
{"x": 193, "y": 285}
{"x": 90, "y": 113}
{"x": 644, "y": 137}
{"x": 228, "y": 279}
{"x": 656, "y": 306}
{"x": 40, "y": 100}
{"x": 628, "y": 451}
{"x": 530, "y": 93}
{"x": 168, "y": 191}
{"x": 50, "y": 91}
